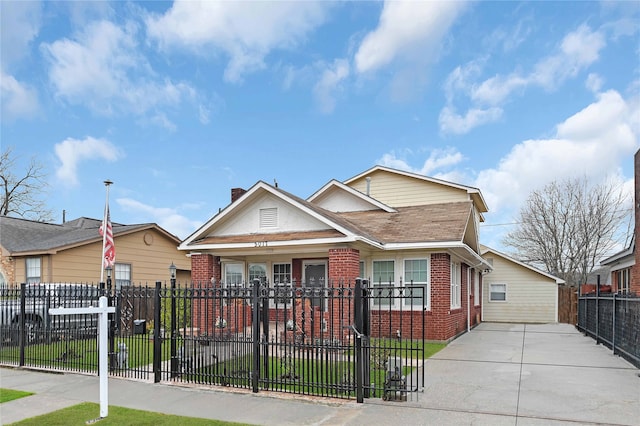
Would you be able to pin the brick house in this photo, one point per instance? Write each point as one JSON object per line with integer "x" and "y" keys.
{"x": 386, "y": 225}
{"x": 625, "y": 265}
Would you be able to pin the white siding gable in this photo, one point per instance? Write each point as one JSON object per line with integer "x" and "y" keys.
{"x": 341, "y": 201}
{"x": 277, "y": 216}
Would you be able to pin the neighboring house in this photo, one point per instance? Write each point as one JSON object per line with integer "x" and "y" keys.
{"x": 386, "y": 225}
{"x": 72, "y": 252}
{"x": 621, "y": 265}
{"x": 517, "y": 292}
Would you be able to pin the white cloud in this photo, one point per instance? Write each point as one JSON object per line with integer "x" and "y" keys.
{"x": 18, "y": 99}
{"x": 438, "y": 159}
{"x": 245, "y": 31}
{"x": 404, "y": 30}
{"x": 19, "y": 24}
{"x": 102, "y": 69}
{"x": 330, "y": 83}
{"x": 71, "y": 152}
{"x": 594, "y": 82}
{"x": 166, "y": 217}
{"x": 578, "y": 50}
{"x": 453, "y": 123}
{"x": 590, "y": 143}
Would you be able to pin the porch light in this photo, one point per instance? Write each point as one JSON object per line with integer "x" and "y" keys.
{"x": 172, "y": 270}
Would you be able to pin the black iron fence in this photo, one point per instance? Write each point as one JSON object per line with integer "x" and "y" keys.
{"x": 347, "y": 341}
{"x": 614, "y": 320}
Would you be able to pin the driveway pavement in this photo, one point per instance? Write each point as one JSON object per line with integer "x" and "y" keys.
{"x": 511, "y": 374}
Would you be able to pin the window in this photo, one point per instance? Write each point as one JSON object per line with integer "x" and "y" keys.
{"x": 33, "y": 270}
{"x": 476, "y": 289}
{"x": 623, "y": 277}
{"x": 383, "y": 280}
{"x": 498, "y": 292}
{"x": 362, "y": 271}
{"x": 416, "y": 274}
{"x": 455, "y": 285}
{"x": 257, "y": 271}
{"x": 122, "y": 275}
{"x": 269, "y": 218}
{"x": 281, "y": 273}
{"x": 233, "y": 274}
{"x": 282, "y": 282}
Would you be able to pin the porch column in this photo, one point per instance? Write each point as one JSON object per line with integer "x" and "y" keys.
{"x": 205, "y": 268}
{"x": 344, "y": 267}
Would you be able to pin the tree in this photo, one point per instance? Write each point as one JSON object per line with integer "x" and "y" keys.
{"x": 569, "y": 226}
{"x": 21, "y": 192}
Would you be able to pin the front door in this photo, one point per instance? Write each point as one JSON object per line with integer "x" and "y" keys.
{"x": 315, "y": 276}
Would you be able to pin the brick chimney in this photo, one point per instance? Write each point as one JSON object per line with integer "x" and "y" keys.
{"x": 634, "y": 286}
{"x": 237, "y": 193}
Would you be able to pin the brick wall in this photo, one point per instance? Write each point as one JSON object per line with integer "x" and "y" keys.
{"x": 205, "y": 271}
{"x": 635, "y": 270}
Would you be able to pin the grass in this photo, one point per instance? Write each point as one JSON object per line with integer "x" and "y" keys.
{"x": 7, "y": 395}
{"x": 83, "y": 352}
{"x": 86, "y": 413}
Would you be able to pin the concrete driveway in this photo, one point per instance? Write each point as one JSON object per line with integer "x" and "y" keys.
{"x": 529, "y": 375}
{"x": 498, "y": 374}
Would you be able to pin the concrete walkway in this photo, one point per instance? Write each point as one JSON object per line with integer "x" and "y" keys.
{"x": 511, "y": 374}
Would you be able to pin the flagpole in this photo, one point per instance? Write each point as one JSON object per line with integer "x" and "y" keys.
{"x": 104, "y": 228}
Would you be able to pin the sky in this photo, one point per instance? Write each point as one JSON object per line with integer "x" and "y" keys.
{"x": 178, "y": 102}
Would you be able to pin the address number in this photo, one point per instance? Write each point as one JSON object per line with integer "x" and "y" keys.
{"x": 261, "y": 243}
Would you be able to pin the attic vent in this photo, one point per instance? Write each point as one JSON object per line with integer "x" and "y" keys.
{"x": 269, "y": 218}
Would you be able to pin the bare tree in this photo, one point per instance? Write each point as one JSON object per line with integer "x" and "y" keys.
{"x": 21, "y": 191}
{"x": 569, "y": 226}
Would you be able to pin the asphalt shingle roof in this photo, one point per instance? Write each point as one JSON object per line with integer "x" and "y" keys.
{"x": 21, "y": 235}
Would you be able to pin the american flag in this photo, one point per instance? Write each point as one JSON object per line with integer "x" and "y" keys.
{"x": 109, "y": 249}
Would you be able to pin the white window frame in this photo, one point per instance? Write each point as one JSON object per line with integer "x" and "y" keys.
{"x": 376, "y": 282}
{"x": 122, "y": 274}
{"x": 251, "y": 274}
{"x": 284, "y": 285}
{"x": 33, "y": 266}
{"x": 426, "y": 284}
{"x": 492, "y": 291}
{"x": 624, "y": 279}
{"x": 476, "y": 289}
{"x": 456, "y": 302}
{"x": 228, "y": 266}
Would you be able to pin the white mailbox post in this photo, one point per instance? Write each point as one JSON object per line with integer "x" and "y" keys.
{"x": 102, "y": 311}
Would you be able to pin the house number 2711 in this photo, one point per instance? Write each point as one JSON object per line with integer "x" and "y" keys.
{"x": 261, "y": 243}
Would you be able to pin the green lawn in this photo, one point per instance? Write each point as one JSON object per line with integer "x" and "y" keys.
{"x": 10, "y": 394}
{"x": 86, "y": 413}
{"x": 84, "y": 353}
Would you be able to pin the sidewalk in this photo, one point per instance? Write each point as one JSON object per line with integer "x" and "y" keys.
{"x": 496, "y": 374}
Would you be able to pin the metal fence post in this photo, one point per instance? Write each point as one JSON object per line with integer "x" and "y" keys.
{"x": 613, "y": 335}
{"x": 21, "y": 330}
{"x": 255, "y": 322}
{"x": 357, "y": 307}
{"x": 157, "y": 342}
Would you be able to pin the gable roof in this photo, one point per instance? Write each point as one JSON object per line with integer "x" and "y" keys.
{"x": 474, "y": 193}
{"x": 624, "y": 255}
{"x": 335, "y": 186}
{"x": 26, "y": 237}
{"x": 486, "y": 250}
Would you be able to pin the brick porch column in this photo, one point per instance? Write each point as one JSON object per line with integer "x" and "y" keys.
{"x": 344, "y": 268}
{"x": 204, "y": 267}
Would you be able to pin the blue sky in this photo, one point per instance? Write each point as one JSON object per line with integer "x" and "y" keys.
{"x": 178, "y": 102}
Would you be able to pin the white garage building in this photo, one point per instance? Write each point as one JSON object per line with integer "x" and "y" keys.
{"x": 516, "y": 292}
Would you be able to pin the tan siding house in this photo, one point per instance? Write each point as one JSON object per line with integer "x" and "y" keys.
{"x": 71, "y": 252}
{"x": 516, "y": 292}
